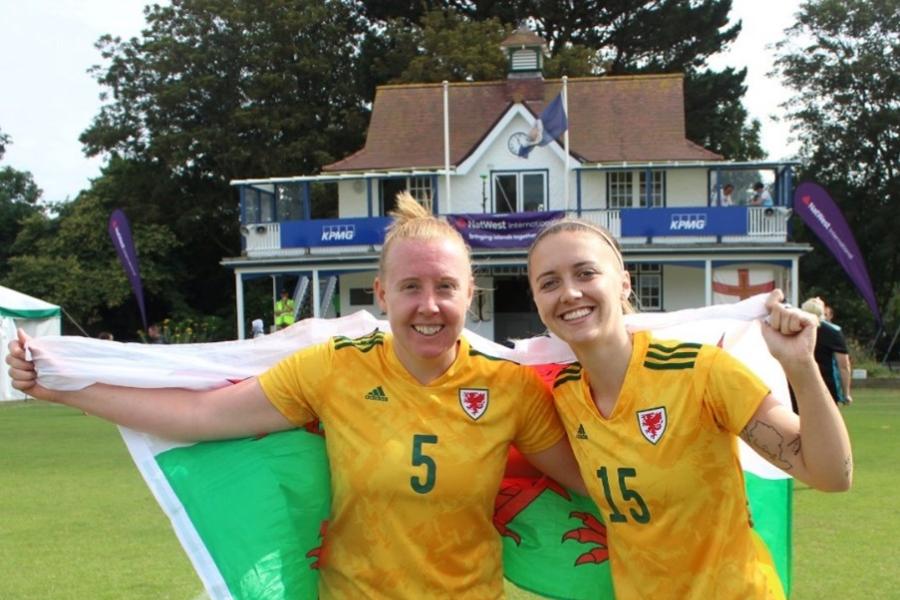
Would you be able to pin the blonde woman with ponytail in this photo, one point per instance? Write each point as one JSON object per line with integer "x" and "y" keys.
{"x": 418, "y": 426}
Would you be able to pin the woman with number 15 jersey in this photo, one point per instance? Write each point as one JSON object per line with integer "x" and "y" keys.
{"x": 654, "y": 427}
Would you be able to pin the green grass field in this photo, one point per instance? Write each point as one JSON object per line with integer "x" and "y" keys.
{"x": 77, "y": 521}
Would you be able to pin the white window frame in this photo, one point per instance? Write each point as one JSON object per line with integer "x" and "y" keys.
{"x": 519, "y": 179}
{"x": 421, "y": 189}
{"x": 647, "y": 284}
{"x": 657, "y": 192}
{"x": 620, "y": 186}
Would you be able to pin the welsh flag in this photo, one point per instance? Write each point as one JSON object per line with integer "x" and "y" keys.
{"x": 250, "y": 513}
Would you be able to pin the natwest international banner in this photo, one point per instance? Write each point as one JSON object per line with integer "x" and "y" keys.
{"x": 511, "y": 230}
{"x": 814, "y": 205}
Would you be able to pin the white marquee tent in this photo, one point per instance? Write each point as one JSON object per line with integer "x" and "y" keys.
{"x": 36, "y": 317}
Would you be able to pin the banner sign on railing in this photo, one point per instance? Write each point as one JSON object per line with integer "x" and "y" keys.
{"x": 686, "y": 220}
{"x": 364, "y": 231}
{"x": 508, "y": 230}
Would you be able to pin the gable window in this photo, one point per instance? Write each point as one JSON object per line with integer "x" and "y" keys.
{"x": 646, "y": 281}
{"x": 523, "y": 191}
{"x": 419, "y": 188}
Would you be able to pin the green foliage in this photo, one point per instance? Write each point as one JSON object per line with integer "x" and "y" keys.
{"x": 220, "y": 89}
{"x": 68, "y": 259}
{"x": 214, "y": 90}
{"x": 19, "y": 196}
{"x": 455, "y": 49}
{"x": 18, "y": 201}
{"x": 190, "y": 330}
{"x": 722, "y": 127}
{"x": 842, "y": 59}
{"x": 634, "y": 36}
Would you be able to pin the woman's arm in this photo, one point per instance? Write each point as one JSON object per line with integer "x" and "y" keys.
{"x": 813, "y": 446}
{"x": 558, "y": 462}
{"x": 238, "y": 410}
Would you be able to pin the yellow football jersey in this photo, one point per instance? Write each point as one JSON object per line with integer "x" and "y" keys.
{"x": 414, "y": 468}
{"x": 663, "y": 468}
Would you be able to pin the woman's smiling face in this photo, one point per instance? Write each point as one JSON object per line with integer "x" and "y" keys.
{"x": 579, "y": 285}
{"x": 426, "y": 289}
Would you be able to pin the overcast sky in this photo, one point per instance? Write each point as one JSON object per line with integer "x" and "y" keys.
{"x": 48, "y": 99}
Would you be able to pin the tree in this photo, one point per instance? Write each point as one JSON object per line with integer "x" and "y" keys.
{"x": 627, "y": 37}
{"x": 215, "y": 90}
{"x": 68, "y": 259}
{"x": 456, "y": 49}
{"x": 19, "y": 196}
{"x": 843, "y": 61}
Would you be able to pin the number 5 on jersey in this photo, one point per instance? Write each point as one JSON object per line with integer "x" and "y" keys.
{"x": 420, "y": 458}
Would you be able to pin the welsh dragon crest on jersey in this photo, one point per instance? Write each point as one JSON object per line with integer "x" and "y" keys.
{"x": 473, "y": 401}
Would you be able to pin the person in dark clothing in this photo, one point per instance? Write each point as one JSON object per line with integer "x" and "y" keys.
{"x": 831, "y": 353}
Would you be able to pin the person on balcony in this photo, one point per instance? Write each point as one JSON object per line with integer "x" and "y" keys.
{"x": 726, "y": 198}
{"x": 284, "y": 311}
{"x": 761, "y": 196}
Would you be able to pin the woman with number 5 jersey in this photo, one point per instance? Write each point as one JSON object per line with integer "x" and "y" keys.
{"x": 418, "y": 426}
{"x": 654, "y": 426}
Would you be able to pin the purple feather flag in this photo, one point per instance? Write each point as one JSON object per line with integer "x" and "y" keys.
{"x": 814, "y": 205}
{"x": 120, "y": 234}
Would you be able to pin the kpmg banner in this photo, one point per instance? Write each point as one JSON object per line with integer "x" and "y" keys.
{"x": 654, "y": 222}
{"x": 120, "y": 234}
{"x": 511, "y": 230}
{"x": 813, "y": 204}
{"x": 364, "y": 231}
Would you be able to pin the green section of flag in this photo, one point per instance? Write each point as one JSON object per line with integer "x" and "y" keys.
{"x": 771, "y": 505}
{"x": 258, "y": 505}
{"x": 544, "y": 560}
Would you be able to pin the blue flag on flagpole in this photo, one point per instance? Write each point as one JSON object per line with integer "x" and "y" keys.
{"x": 550, "y": 125}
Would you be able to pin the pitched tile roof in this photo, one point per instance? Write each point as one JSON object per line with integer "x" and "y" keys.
{"x": 611, "y": 119}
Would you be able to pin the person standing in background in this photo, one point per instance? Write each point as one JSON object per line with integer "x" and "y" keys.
{"x": 284, "y": 311}
{"x": 831, "y": 352}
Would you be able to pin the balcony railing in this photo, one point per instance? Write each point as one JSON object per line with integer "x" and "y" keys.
{"x": 763, "y": 224}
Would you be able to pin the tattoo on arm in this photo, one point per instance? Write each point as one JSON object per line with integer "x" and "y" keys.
{"x": 848, "y": 467}
{"x": 766, "y": 440}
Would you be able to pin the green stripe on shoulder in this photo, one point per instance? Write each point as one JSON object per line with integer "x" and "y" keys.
{"x": 673, "y": 356}
{"x": 474, "y": 352}
{"x": 363, "y": 343}
{"x": 571, "y": 372}
{"x": 676, "y": 347}
{"x": 668, "y": 366}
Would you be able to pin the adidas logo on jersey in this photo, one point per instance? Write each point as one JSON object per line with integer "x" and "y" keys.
{"x": 581, "y": 434}
{"x": 377, "y": 394}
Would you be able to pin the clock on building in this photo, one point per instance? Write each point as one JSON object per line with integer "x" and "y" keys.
{"x": 516, "y": 142}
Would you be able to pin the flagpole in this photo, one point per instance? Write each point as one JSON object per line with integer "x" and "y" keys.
{"x": 565, "y": 99}
{"x": 449, "y": 208}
